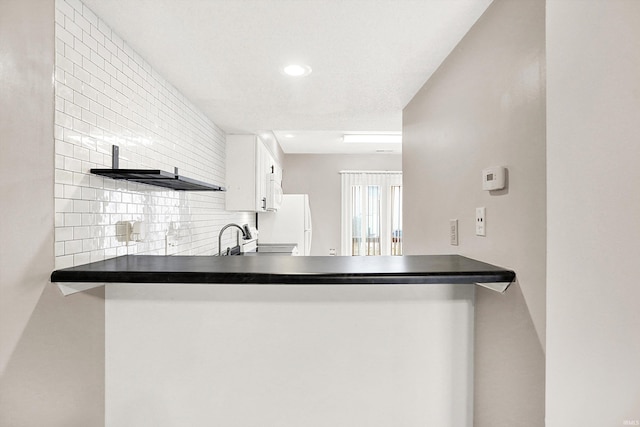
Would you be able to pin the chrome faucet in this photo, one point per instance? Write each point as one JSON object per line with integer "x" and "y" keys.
{"x": 246, "y": 235}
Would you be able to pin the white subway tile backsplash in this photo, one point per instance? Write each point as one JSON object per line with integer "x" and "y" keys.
{"x": 81, "y": 233}
{"x": 105, "y": 30}
{"x": 89, "y": 66}
{"x": 97, "y": 255}
{"x": 72, "y": 220}
{"x": 90, "y": 16}
{"x": 83, "y": 49}
{"x": 96, "y": 157}
{"x": 96, "y": 107}
{"x": 63, "y": 35}
{"x": 72, "y": 192}
{"x": 81, "y": 179}
{"x": 107, "y": 94}
{"x": 74, "y": 56}
{"x": 64, "y": 261}
{"x": 58, "y": 191}
{"x": 63, "y": 234}
{"x": 63, "y": 177}
{"x": 59, "y": 248}
{"x": 64, "y": 92}
{"x": 59, "y": 15}
{"x": 73, "y": 165}
{"x": 81, "y": 153}
{"x": 81, "y": 21}
{"x": 58, "y": 132}
{"x": 89, "y": 117}
{"x": 72, "y": 27}
{"x": 96, "y": 58}
{"x": 97, "y": 182}
{"x": 59, "y": 103}
{"x": 77, "y": 5}
{"x": 72, "y": 137}
{"x": 71, "y": 81}
{"x": 89, "y": 143}
{"x": 96, "y": 132}
{"x": 81, "y": 258}
{"x": 98, "y": 81}
{"x": 88, "y": 245}
{"x": 81, "y": 73}
{"x": 81, "y": 206}
{"x": 90, "y": 40}
{"x": 64, "y": 63}
{"x": 103, "y": 123}
{"x": 79, "y": 126}
{"x": 72, "y": 109}
{"x": 103, "y": 51}
{"x": 88, "y": 193}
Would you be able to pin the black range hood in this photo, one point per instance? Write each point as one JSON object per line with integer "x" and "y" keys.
{"x": 156, "y": 177}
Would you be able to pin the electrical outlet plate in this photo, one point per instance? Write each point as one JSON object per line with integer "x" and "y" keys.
{"x": 453, "y": 232}
{"x": 171, "y": 244}
{"x": 481, "y": 222}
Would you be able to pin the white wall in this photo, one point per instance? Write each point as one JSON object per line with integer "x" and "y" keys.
{"x": 485, "y": 106}
{"x": 107, "y": 94}
{"x": 593, "y": 141}
{"x": 319, "y": 176}
{"x": 51, "y": 348}
{"x": 26, "y": 160}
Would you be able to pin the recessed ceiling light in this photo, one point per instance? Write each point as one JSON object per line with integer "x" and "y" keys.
{"x": 297, "y": 70}
{"x": 288, "y": 135}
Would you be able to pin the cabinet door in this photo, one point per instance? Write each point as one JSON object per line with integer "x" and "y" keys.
{"x": 275, "y": 168}
{"x": 249, "y": 165}
{"x": 262, "y": 159}
{"x": 241, "y": 169}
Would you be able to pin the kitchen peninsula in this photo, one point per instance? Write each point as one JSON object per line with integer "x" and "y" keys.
{"x": 288, "y": 340}
{"x": 417, "y": 269}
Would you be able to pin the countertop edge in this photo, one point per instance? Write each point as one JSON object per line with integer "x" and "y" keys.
{"x": 98, "y": 272}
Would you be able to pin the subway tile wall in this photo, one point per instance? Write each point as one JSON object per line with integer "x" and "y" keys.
{"x": 106, "y": 94}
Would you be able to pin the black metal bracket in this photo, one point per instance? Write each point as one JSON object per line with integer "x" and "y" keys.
{"x": 115, "y": 157}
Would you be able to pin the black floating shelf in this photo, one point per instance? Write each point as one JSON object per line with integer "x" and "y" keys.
{"x": 158, "y": 178}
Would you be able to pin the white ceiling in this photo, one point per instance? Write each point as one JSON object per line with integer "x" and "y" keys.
{"x": 369, "y": 58}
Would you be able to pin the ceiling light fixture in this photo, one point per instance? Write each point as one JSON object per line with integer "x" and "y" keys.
{"x": 388, "y": 138}
{"x": 297, "y": 70}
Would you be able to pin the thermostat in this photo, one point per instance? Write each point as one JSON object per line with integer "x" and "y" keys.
{"x": 493, "y": 178}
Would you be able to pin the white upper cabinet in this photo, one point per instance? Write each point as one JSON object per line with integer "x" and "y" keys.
{"x": 249, "y": 164}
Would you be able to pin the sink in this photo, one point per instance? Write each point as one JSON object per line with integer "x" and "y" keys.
{"x": 283, "y": 248}
{"x": 277, "y": 248}
{"x": 273, "y": 249}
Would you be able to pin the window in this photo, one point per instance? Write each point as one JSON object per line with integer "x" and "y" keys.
{"x": 371, "y": 213}
{"x": 396, "y": 220}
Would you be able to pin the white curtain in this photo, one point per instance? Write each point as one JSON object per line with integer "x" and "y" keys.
{"x": 363, "y": 180}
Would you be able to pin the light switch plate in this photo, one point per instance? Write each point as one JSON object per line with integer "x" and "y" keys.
{"x": 481, "y": 222}
{"x": 453, "y": 232}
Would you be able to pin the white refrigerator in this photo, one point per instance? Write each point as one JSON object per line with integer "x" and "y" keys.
{"x": 289, "y": 224}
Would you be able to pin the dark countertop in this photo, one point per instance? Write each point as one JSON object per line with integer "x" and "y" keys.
{"x": 416, "y": 269}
